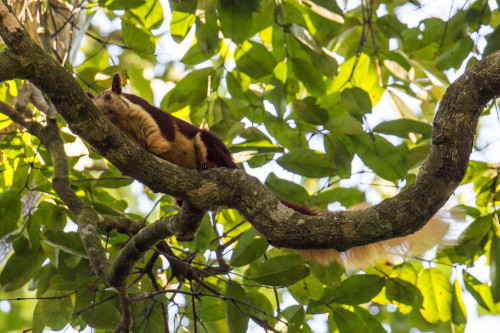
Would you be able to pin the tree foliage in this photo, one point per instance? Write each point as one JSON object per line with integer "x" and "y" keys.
{"x": 291, "y": 86}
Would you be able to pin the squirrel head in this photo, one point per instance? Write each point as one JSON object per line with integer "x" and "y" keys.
{"x": 111, "y": 102}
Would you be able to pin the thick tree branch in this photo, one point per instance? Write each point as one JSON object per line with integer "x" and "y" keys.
{"x": 398, "y": 216}
{"x": 11, "y": 67}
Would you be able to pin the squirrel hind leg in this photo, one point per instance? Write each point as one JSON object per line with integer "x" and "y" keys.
{"x": 201, "y": 153}
{"x": 158, "y": 145}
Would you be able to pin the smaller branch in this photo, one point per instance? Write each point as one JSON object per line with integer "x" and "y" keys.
{"x": 180, "y": 269}
{"x": 195, "y": 319}
{"x": 123, "y": 225}
{"x": 38, "y": 298}
{"x": 157, "y": 287}
{"x": 126, "y": 321}
{"x": 183, "y": 225}
{"x": 32, "y": 126}
{"x": 86, "y": 217}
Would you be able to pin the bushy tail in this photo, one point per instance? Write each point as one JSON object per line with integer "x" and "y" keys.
{"x": 430, "y": 235}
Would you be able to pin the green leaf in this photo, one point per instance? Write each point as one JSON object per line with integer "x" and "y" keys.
{"x": 113, "y": 181}
{"x": 348, "y": 322}
{"x": 104, "y": 315}
{"x": 10, "y": 211}
{"x": 236, "y": 19}
{"x": 286, "y": 136}
{"x": 286, "y": 189}
{"x": 50, "y": 216}
{"x": 495, "y": 267}
{"x": 359, "y": 71}
{"x": 339, "y": 149}
{"x": 277, "y": 96}
{"x": 67, "y": 241}
{"x": 138, "y": 38}
{"x": 181, "y": 24}
{"x": 57, "y": 282}
{"x": 40, "y": 281}
{"x": 247, "y": 150}
{"x": 346, "y": 196}
{"x": 186, "y": 6}
{"x": 207, "y": 32}
{"x": 149, "y": 14}
{"x": 309, "y": 111}
{"x": 278, "y": 271}
{"x": 307, "y": 162}
{"x": 370, "y": 320}
{"x": 105, "y": 209}
{"x": 380, "y": 155}
{"x": 355, "y": 322}
{"x": 20, "y": 268}
{"x": 260, "y": 301}
{"x": 120, "y": 4}
{"x": 190, "y": 90}
{"x": 21, "y": 175}
{"x": 236, "y": 312}
{"x": 329, "y": 275}
{"x": 250, "y": 247}
{"x": 356, "y": 101}
{"x": 324, "y": 12}
{"x": 403, "y": 127}
{"x": 344, "y": 124}
{"x": 475, "y": 235}
{"x": 295, "y": 316}
{"x": 305, "y": 37}
{"x": 238, "y": 85}
{"x": 480, "y": 291}
{"x": 306, "y": 289}
{"x": 405, "y": 271}
{"x": 53, "y": 313}
{"x": 400, "y": 107}
{"x": 458, "y": 311}
{"x": 310, "y": 77}
{"x": 227, "y": 130}
{"x": 358, "y": 289}
{"x": 254, "y": 59}
{"x": 454, "y": 55}
{"x": 493, "y": 42}
{"x": 436, "y": 290}
{"x": 212, "y": 309}
{"x": 404, "y": 292}
{"x": 204, "y": 235}
{"x": 194, "y": 56}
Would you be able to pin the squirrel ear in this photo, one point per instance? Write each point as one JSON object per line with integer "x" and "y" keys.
{"x": 91, "y": 95}
{"x": 116, "y": 86}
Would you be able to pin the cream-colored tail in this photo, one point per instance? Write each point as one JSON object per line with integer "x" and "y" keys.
{"x": 430, "y": 235}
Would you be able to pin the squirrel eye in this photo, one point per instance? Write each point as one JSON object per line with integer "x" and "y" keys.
{"x": 107, "y": 97}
